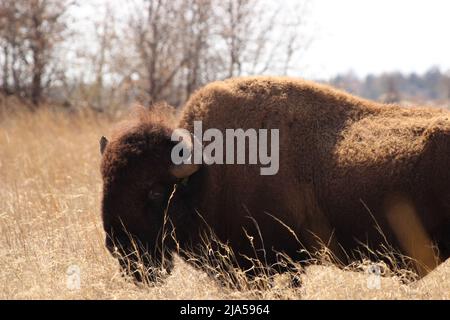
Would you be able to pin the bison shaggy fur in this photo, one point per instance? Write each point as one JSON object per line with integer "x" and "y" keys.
{"x": 353, "y": 174}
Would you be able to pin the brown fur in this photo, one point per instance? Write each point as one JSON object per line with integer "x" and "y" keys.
{"x": 341, "y": 161}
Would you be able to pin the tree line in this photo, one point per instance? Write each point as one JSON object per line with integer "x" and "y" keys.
{"x": 433, "y": 85}
{"x": 106, "y": 54}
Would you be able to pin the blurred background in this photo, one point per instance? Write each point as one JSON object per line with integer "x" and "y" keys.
{"x": 107, "y": 55}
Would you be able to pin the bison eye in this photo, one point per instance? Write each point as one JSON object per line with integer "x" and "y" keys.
{"x": 154, "y": 195}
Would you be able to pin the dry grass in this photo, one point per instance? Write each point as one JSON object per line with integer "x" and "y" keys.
{"x": 50, "y": 191}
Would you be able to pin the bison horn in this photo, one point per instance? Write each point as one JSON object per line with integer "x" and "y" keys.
{"x": 103, "y": 144}
{"x": 188, "y": 168}
{"x": 184, "y": 170}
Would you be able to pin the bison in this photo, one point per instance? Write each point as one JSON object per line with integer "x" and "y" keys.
{"x": 353, "y": 174}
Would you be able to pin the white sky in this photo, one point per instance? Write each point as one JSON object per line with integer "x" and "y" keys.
{"x": 364, "y": 36}
{"x": 368, "y": 36}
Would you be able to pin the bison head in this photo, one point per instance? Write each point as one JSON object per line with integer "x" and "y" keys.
{"x": 138, "y": 180}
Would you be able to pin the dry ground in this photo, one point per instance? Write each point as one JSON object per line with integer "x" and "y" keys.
{"x": 50, "y": 191}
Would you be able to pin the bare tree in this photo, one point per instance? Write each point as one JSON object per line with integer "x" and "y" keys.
{"x": 197, "y": 23}
{"x": 158, "y": 43}
{"x": 261, "y": 36}
{"x": 238, "y": 19}
{"x": 31, "y": 31}
{"x": 11, "y": 39}
{"x": 181, "y": 45}
{"x": 105, "y": 36}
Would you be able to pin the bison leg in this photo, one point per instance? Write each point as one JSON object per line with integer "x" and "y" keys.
{"x": 411, "y": 234}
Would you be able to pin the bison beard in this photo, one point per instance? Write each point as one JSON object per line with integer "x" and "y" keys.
{"x": 352, "y": 173}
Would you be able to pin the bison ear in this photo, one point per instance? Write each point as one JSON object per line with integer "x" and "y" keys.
{"x": 103, "y": 144}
